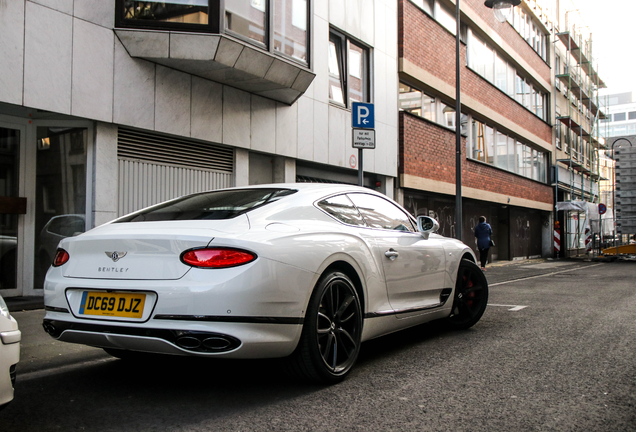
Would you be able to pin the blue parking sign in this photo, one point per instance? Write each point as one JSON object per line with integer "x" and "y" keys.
{"x": 363, "y": 116}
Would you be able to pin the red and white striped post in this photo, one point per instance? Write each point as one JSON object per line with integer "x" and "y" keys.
{"x": 588, "y": 239}
{"x": 557, "y": 239}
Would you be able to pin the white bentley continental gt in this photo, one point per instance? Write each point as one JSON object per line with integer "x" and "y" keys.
{"x": 303, "y": 271}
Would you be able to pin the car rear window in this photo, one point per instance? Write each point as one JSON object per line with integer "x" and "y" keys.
{"x": 224, "y": 204}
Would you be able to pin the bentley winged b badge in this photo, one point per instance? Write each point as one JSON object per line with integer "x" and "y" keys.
{"x": 115, "y": 256}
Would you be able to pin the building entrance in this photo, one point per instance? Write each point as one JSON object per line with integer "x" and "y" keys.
{"x": 12, "y": 206}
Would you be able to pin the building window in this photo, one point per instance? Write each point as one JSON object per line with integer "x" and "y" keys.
{"x": 290, "y": 28}
{"x": 530, "y": 30}
{"x": 348, "y": 70}
{"x": 489, "y": 145}
{"x": 445, "y": 17}
{"x": 426, "y": 5}
{"x": 420, "y": 104}
{"x": 245, "y": 19}
{"x": 619, "y": 117}
{"x": 194, "y": 13}
{"x": 632, "y": 115}
{"x": 417, "y": 102}
{"x": 486, "y": 62}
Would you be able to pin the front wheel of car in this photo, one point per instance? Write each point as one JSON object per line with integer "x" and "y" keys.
{"x": 332, "y": 332}
{"x": 471, "y": 296}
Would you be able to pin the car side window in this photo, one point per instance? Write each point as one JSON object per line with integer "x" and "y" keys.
{"x": 342, "y": 209}
{"x": 380, "y": 213}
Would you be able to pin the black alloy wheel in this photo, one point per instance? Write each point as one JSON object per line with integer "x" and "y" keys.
{"x": 332, "y": 331}
{"x": 471, "y": 296}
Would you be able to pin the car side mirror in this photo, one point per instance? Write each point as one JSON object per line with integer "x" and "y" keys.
{"x": 427, "y": 225}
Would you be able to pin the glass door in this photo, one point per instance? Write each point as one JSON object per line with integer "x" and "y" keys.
{"x": 11, "y": 207}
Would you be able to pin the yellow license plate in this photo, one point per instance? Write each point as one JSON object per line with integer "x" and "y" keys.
{"x": 126, "y": 305}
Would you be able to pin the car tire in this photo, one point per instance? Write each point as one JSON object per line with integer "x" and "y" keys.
{"x": 471, "y": 296}
{"x": 332, "y": 331}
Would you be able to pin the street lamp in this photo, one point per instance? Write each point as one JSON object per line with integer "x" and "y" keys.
{"x": 499, "y": 8}
{"x": 614, "y": 189}
{"x": 502, "y": 8}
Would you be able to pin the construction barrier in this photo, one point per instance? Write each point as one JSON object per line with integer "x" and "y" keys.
{"x": 557, "y": 239}
{"x": 588, "y": 239}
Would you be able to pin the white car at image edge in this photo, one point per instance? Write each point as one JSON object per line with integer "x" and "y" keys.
{"x": 302, "y": 271}
{"x": 9, "y": 353}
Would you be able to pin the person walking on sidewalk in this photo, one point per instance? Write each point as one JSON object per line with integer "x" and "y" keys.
{"x": 483, "y": 231}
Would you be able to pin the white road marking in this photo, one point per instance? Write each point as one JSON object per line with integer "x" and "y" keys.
{"x": 513, "y": 308}
{"x": 543, "y": 275}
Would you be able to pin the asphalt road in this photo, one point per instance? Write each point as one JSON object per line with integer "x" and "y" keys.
{"x": 555, "y": 351}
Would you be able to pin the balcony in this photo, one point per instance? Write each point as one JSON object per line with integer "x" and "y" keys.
{"x": 221, "y": 58}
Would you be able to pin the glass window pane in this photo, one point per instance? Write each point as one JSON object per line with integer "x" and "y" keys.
{"x": 177, "y": 11}
{"x": 511, "y": 154}
{"x": 424, "y": 5}
{"x": 290, "y": 28}
{"x": 445, "y": 17}
{"x": 216, "y": 205}
{"x": 336, "y": 93}
{"x": 60, "y": 205}
{"x": 490, "y": 145}
{"x": 428, "y": 107}
{"x": 448, "y": 115}
{"x": 380, "y": 213}
{"x": 342, "y": 209}
{"x": 500, "y": 73}
{"x": 410, "y": 99}
{"x": 9, "y": 187}
{"x": 540, "y": 103}
{"x": 502, "y": 151}
{"x": 511, "y": 81}
{"x": 247, "y": 18}
{"x": 527, "y": 100}
{"x": 357, "y": 72}
{"x": 535, "y": 165}
{"x": 478, "y": 142}
{"x": 489, "y": 64}
{"x": 520, "y": 89}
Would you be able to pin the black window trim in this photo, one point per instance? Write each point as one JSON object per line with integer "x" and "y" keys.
{"x": 216, "y": 25}
{"x": 342, "y": 42}
{"x": 410, "y": 217}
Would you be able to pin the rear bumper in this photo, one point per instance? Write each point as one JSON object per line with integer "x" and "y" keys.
{"x": 9, "y": 357}
{"x": 186, "y": 338}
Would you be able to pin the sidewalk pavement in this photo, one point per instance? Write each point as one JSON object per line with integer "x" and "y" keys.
{"x": 499, "y": 271}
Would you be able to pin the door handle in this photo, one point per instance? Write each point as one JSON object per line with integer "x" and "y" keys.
{"x": 391, "y": 254}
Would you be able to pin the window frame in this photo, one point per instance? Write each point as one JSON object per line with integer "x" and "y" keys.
{"x": 216, "y": 25}
{"x": 499, "y": 144}
{"x": 343, "y": 43}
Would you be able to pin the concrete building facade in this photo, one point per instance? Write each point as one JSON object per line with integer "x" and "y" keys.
{"x": 107, "y": 106}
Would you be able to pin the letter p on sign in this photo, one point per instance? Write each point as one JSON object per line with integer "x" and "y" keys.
{"x": 363, "y": 116}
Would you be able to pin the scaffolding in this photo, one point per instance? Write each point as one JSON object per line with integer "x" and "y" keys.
{"x": 582, "y": 142}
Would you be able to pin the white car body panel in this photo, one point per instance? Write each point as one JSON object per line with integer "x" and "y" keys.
{"x": 262, "y": 304}
{"x": 10, "y": 337}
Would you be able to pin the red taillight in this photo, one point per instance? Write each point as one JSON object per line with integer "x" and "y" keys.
{"x": 61, "y": 257}
{"x": 217, "y": 257}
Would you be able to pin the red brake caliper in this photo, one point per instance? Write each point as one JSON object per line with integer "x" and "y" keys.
{"x": 470, "y": 294}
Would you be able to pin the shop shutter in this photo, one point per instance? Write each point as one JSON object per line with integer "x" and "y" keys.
{"x": 155, "y": 168}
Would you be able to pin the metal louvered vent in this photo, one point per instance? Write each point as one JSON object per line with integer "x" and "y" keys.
{"x": 163, "y": 149}
{"x": 307, "y": 179}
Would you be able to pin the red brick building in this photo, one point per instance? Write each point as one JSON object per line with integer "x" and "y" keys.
{"x": 506, "y": 122}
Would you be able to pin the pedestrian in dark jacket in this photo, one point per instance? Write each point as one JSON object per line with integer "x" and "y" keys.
{"x": 483, "y": 231}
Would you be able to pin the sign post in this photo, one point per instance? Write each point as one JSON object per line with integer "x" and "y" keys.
{"x": 363, "y": 125}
